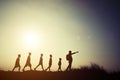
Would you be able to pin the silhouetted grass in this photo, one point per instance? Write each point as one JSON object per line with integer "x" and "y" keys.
{"x": 93, "y": 72}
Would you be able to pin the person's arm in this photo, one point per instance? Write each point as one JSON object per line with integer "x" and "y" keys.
{"x": 75, "y": 52}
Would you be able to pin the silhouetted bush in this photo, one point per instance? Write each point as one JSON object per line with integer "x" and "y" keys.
{"x": 92, "y": 72}
{"x": 92, "y": 68}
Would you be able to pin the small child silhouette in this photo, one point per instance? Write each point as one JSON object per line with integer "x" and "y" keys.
{"x": 59, "y": 64}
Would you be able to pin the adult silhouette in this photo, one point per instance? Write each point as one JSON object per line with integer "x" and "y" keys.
{"x": 59, "y": 64}
{"x": 17, "y": 63}
{"x": 50, "y": 63}
{"x": 40, "y": 63}
{"x": 70, "y": 59}
{"x": 28, "y": 63}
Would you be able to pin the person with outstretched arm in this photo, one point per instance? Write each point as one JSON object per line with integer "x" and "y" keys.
{"x": 70, "y": 59}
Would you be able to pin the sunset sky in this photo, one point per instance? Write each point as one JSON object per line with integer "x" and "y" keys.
{"x": 57, "y": 26}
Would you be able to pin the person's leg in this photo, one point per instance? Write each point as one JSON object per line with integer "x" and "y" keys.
{"x": 30, "y": 66}
{"x": 60, "y": 68}
{"x": 46, "y": 68}
{"x": 19, "y": 68}
{"x": 13, "y": 68}
{"x": 42, "y": 67}
{"x": 49, "y": 67}
{"x": 67, "y": 67}
{"x": 36, "y": 67}
{"x": 70, "y": 64}
{"x": 24, "y": 67}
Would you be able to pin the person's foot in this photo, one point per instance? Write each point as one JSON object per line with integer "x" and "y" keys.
{"x": 23, "y": 70}
{"x": 66, "y": 70}
{"x": 31, "y": 70}
{"x": 43, "y": 70}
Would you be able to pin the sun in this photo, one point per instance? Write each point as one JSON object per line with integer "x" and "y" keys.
{"x": 31, "y": 39}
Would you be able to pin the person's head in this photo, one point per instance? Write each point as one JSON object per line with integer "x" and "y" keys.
{"x": 29, "y": 53}
{"x": 50, "y": 55}
{"x": 70, "y": 51}
{"x": 41, "y": 54}
{"x": 19, "y": 55}
{"x": 60, "y": 59}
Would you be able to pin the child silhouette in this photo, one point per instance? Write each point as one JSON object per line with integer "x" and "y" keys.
{"x": 59, "y": 64}
{"x": 40, "y": 63}
{"x": 50, "y": 63}
{"x": 17, "y": 63}
{"x": 28, "y": 63}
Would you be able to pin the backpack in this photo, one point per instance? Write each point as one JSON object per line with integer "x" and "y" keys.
{"x": 67, "y": 57}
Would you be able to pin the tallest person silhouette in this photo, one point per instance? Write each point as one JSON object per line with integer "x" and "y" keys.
{"x": 70, "y": 59}
{"x": 28, "y": 63}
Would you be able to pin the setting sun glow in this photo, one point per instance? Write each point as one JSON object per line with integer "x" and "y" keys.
{"x": 50, "y": 27}
{"x": 31, "y": 39}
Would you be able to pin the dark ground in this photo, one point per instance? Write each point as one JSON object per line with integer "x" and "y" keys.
{"x": 69, "y": 75}
{"x": 93, "y": 72}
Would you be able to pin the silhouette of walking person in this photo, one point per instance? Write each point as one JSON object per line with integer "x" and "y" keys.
{"x": 17, "y": 63}
{"x": 40, "y": 63}
{"x": 70, "y": 59}
{"x": 28, "y": 63}
{"x": 59, "y": 64}
{"x": 50, "y": 63}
